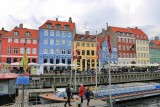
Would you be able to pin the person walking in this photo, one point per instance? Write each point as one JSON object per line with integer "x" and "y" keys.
{"x": 87, "y": 94}
{"x": 68, "y": 91}
{"x": 81, "y": 92}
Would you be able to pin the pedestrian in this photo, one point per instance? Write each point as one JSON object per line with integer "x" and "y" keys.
{"x": 81, "y": 92}
{"x": 68, "y": 91}
{"x": 87, "y": 94}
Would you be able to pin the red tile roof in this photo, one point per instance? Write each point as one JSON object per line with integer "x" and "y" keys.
{"x": 21, "y": 33}
{"x": 3, "y": 32}
{"x": 156, "y": 42}
{"x": 53, "y": 23}
{"x": 77, "y": 37}
{"x": 119, "y": 29}
{"x": 101, "y": 39}
{"x": 139, "y": 32}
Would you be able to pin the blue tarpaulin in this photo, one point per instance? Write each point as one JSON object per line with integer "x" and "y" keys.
{"x": 22, "y": 80}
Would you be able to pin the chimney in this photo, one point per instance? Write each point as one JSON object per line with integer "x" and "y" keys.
{"x": 70, "y": 19}
{"x": 106, "y": 26}
{"x": 2, "y": 28}
{"x": 87, "y": 32}
{"x": 21, "y": 25}
{"x": 136, "y": 27}
{"x": 56, "y": 19}
{"x": 157, "y": 38}
{"x": 103, "y": 32}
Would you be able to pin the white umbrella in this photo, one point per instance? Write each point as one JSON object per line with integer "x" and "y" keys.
{"x": 62, "y": 64}
{"x": 48, "y": 64}
{"x": 32, "y": 63}
{"x": 15, "y": 63}
{"x": 73, "y": 65}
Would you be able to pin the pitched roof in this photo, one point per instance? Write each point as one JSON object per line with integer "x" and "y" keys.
{"x": 156, "y": 42}
{"x": 3, "y": 32}
{"x": 120, "y": 29}
{"x": 54, "y": 23}
{"x": 22, "y": 33}
{"x": 139, "y": 32}
{"x": 78, "y": 37}
{"x": 101, "y": 39}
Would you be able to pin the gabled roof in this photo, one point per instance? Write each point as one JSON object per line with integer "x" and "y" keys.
{"x": 78, "y": 37}
{"x": 101, "y": 39}
{"x": 22, "y": 33}
{"x": 3, "y": 32}
{"x": 138, "y": 31}
{"x": 54, "y": 23}
{"x": 120, "y": 29}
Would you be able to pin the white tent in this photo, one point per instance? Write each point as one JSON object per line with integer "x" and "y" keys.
{"x": 48, "y": 64}
{"x": 62, "y": 64}
{"x": 15, "y": 63}
{"x": 73, "y": 65}
{"x": 32, "y": 64}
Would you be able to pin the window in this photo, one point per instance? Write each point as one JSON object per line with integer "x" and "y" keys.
{"x": 57, "y": 51}
{"x": 69, "y": 34}
{"x": 69, "y": 51}
{"x": 34, "y": 41}
{"x": 119, "y": 39}
{"x": 69, "y": 43}
{"x": 28, "y": 50}
{"x": 57, "y": 33}
{"x": 78, "y": 44}
{"x": 119, "y": 47}
{"x": 51, "y": 32}
{"x": 45, "y": 50}
{"x": 22, "y": 41}
{"x": 92, "y": 44}
{"x": 21, "y": 50}
{"x": 51, "y": 41}
{"x": 63, "y": 34}
{"x": 51, "y": 60}
{"x": 51, "y": 51}
{"x": 63, "y": 51}
{"x": 15, "y": 33}
{"x": 49, "y": 25}
{"x": 88, "y": 52}
{"x": 63, "y": 42}
{"x": 9, "y": 50}
{"x": 83, "y": 52}
{"x": 28, "y": 41}
{"x": 57, "y": 42}
{"x": 27, "y": 33}
{"x": 66, "y": 27}
{"x": 45, "y": 41}
{"x": 33, "y": 50}
{"x": 45, "y": 32}
{"x": 126, "y": 40}
{"x": 9, "y": 40}
{"x": 15, "y": 50}
{"x": 83, "y": 44}
{"x": 34, "y": 60}
{"x": 92, "y": 52}
{"x": 15, "y": 40}
{"x": 58, "y": 26}
{"x": 88, "y": 44}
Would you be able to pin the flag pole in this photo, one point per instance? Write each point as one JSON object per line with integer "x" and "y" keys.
{"x": 110, "y": 95}
{"x": 96, "y": 61}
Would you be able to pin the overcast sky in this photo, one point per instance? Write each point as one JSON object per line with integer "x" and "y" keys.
{"x": 89, "y": 15}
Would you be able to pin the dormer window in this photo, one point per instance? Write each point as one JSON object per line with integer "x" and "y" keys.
{"x": 66, "y": 27}
{"x": 49, "y": 25}
{"x": 15, "y": 33}
{"x": 58, "y": 26}
{"x": 87, "y": 38}
{"x": 81, "y": 38}
{"x": 28, "y": 34}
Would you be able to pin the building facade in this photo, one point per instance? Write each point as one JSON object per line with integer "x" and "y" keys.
{"x": 154, "y": 50}
{"x": 85, "y": 45}
{"x": 142, "y": 46}
{"x": 56, "y": 42}
{"x": 123, "y": 39}
{"x": 13, "y": 45}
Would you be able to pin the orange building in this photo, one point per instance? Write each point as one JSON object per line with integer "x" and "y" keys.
{"x": 14, "y": 43}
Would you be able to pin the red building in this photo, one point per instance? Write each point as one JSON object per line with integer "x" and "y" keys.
{"x": 14, "y": 43}
{"x": 126, "y": 44}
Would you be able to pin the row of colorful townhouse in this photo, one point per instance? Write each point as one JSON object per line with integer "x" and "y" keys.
{"x": 57, "y": 42}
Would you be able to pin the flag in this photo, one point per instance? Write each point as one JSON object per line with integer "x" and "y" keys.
{"x": 109, "y": 44}
{"x": 76, "y": 53}
{"x": 24, "y": 61}
{"x": 132, "y": 47}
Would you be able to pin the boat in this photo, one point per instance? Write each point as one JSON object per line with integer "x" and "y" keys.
{"x": 128, "y": 93}
{"x": 55, "y": 97}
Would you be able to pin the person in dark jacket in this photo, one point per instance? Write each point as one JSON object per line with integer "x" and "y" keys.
{"x": 68, "y": 91}
{"x": 87, "y": 94}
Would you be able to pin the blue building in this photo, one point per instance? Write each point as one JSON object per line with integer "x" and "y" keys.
{"x": 56, "y": 42}
{"x": 104, "y": 53}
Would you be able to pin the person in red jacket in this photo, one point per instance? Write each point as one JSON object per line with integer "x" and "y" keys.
{"x": 81, "y": 92}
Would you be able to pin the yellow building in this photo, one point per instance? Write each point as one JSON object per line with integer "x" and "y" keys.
{"x": 142, "y": 46}
{"x": 85, "y": 45}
